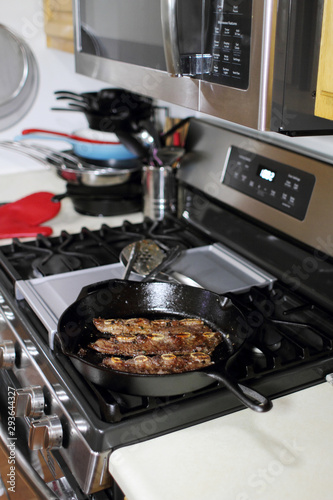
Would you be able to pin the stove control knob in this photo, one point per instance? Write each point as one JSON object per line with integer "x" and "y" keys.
{"x": 29, "y": 402}
{"x": 45, "y": 433}
{"x": 7, "y": 354}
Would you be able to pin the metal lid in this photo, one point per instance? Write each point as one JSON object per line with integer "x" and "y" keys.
{"x": 18, "y": 78}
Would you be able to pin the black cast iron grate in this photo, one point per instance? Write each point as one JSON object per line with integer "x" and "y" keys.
{"x": 69, "y": 252}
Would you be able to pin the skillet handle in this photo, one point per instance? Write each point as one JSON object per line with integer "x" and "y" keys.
{"x": 249, "y": 397}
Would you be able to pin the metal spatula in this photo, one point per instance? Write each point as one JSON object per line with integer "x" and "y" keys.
{"x": 148, "y": 256}
{"x": 151, "y": 261}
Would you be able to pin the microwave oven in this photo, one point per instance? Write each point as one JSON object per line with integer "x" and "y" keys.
{"x": 251, "y": 62}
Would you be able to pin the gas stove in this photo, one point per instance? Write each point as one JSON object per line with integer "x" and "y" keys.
{"x": 256, "y": 247}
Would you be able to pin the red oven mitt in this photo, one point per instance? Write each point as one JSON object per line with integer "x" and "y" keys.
{"x": 22, "y": 218}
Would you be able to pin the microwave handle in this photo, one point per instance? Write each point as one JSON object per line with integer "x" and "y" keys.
{"x": 77, "y": 30}
{"x": 170, "y": 36}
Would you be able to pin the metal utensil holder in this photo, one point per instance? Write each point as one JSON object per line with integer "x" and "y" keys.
{"x": 159, "y": 191}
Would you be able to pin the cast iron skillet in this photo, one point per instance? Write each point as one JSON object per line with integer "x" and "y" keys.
{"x": 129, "y": 299}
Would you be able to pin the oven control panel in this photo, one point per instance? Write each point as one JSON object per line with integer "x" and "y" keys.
{"x": 280, "y": 186}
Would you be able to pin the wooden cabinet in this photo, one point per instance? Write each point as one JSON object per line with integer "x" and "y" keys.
{"x": 324, "y": 94}
{"x": 58, "y": 24}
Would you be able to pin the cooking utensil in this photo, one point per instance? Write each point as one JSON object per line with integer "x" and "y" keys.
{"x": 111, "y": 105}
{"x": 120, "y": 299}
{"x": 174, "y": 128}
{"x": 96, "y": 135}
{"x": 149, "y": 256}
{"x": 113, "y": 140}
{"x": 76, "y": 170}
{"x": 122, "y": 139}
{"x": 169, "y": 155}
{"x": 159, "y": 186}
{"x": 86, "y": 149}
{"x": 151, "y": 261}
{"x": 69, "y": 94}
{"x": 131, "y": 260}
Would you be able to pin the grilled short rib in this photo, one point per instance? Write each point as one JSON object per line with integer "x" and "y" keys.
{"x": 158, "y": 343}
{"x": 164, "y": 364}
{"x": 155, "y": 347}
{"x": 134, "y": 326}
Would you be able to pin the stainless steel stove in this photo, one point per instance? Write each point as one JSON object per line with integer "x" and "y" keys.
{"x": 253, "y": 224}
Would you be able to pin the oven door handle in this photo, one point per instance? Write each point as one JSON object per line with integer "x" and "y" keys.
{"x": 170, "y": 36}
{"x": 26, "y": 476}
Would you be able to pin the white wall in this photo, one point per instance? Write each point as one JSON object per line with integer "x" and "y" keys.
{"x": 56, "y": 72}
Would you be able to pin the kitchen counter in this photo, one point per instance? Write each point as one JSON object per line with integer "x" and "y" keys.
{"x": 285, "y": 453}
{"x": 17, "y": 185}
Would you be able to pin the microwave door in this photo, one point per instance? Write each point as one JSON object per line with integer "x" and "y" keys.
{"x": 128, "y": 31}
{"x": 121, "y": 42}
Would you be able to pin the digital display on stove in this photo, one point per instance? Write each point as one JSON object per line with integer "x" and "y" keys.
{"x": 276, "y": 184}
{"x": 266, "y": 174}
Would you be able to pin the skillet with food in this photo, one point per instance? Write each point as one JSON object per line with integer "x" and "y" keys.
{"x": 155, "y": 301}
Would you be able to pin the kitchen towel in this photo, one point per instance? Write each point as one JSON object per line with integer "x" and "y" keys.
{"x": 22, "y": 218}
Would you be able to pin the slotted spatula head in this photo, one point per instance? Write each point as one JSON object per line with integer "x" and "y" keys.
{"x": 149, "y": 256}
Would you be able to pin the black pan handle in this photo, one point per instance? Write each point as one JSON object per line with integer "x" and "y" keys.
{"x": 249, "y": 397}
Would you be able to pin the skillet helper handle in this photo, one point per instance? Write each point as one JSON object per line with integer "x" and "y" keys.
{"x": 249, "y": 397}
{"x": 95, "y": 287}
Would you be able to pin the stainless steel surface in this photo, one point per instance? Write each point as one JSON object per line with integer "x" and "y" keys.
{"x": 159, "y": 191}
{"x": 90, "y": 471}
{"x": 212, "y": 148}
{"x": 131, "y": 260}
{"x": 45, "y": 433}
{"x": 251, "y": 107}
{"x": 7, "y": 354}
{"x": 28, "y": 483}
{"x": 75, "y": 170}
{"x": 219, "y": 269}
{"x": 283, "y": 62}
{"x": 170, "y": 36}
{"x": 29, "y": 402}
{"x": 183, "y": 279}
{"x": 145, "y": 81}
{"x": 19, "y": 78}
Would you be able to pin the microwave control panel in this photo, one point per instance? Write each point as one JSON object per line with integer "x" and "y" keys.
{"x": 280, "y": 186}
{"x": 231, "y": 36}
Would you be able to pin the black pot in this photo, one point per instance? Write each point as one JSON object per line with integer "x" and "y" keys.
{"x": 105, "y": 200}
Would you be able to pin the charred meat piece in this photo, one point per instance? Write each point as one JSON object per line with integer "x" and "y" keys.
{"x": 121, "y": 326}
{"x": 134, "y": 326}
{"x": 160, "y": 364}
{"x": 158, "y": 343}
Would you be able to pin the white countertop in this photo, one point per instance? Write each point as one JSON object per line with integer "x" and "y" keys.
{"x": 17, "y": 185}
{"x": 286, "y": 453}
